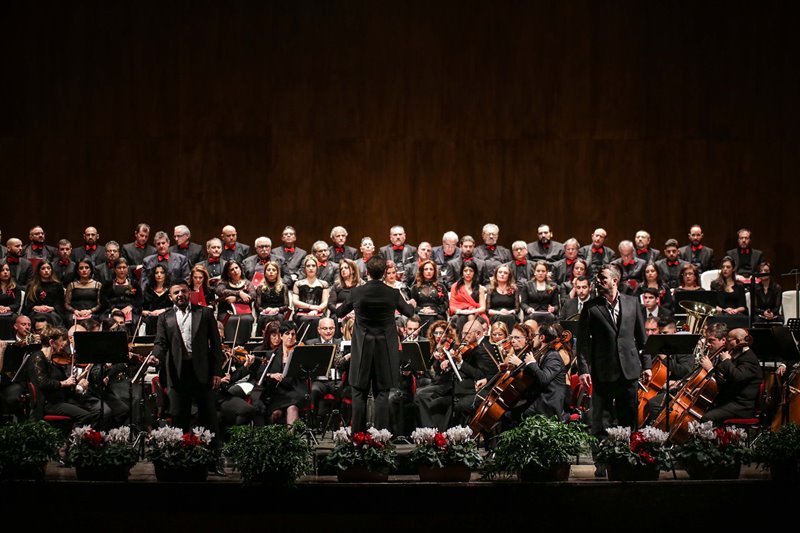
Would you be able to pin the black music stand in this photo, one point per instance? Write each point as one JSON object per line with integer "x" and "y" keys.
{"x": 305, "y": 362}
{"x": 670, "y": 345}
{"x": 101, "y": 347}
{"x": 15, "y": 360}
{"x": 779, "y": 343}
{"x": 414, "y": 356}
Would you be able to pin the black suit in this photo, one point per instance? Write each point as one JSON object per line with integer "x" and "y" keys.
{"x": 595, "y": 261}
{"x": 96, "y": 255}
{"x": 670, "y": 274}
{"x": 214, "y": 269}
{"x": 292, "y": 261}
{"x": 400, "y": 257}
{"x": 134, "y": 254}
{"x": 190, "y": 379}
{"x": 702, "y": 258}
{"x": 738, "y": 390}
{"x": 551, "y": 253}
{"x": 347, "y": 252}
{"x": 47, "y": 252}
{"x": 253, "y": 264}
{"x": 610, "y": 352}
{"x": 569, "y": 307}
{"x": 177, "y": 265}
{"x": 375, "y": 358}
{"x": 22, "y": 272}
{"x": 238, "y": 253}
{"x": 746, "y": 262}
{"x": 548, "y": 391}
{"x": 440, "y": 259}
{"x": 648, "y": 255}
{"x": 194, "y": 253}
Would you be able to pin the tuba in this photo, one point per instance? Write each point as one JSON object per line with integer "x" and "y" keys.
{"x": 696, "y": 315}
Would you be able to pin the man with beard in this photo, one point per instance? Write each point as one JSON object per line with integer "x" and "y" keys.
{"x": 90, "y": 250}
{"x": 643, "y": 249}
{"x": 696, "y": 252}
{"x": 597, "y": 254}
{"x": 545, "y": 248}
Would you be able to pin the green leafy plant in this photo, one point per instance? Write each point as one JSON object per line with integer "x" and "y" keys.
{"x": 646, "y": 447}
{"x": 782, "y": 446}
{"x": 540, "y": 442}
{"x": 28, "y": 443}
{"x": 171, "y": 447}
{"x": 453, "y": 447}
{"x": 90, "y": 448}
{"x": 276, "y": 453}
{"x": 713, "y": 447}
{"x": 371, "y": 448}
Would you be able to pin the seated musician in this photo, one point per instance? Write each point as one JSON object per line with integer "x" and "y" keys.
{"x": 234, "y": 409}
{"x": 651, "y": 306}
{"x": 680, "y": 365}
{"x": 547, "y": 394}
{"x": 401, "y": 399}
{"x": 740, "y": 377}
{"x": 324, "y": 384}
{"x": 732, "y": 299}
{"x": 449, "y": 402}
{"x": 284, "y": 397}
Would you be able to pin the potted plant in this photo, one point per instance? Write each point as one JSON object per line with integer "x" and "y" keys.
{"x": 779, "y": 452}
{"x": 539, "y": 449}
{"x": 713, "y": 453}
{"x": 634, "y": 456}
{"x": 276, "y": 453}
{"x": 365, "y": 456}
{"x": 26, "y": 448}
{"x": 179, "y": 456}
{"x": 448, "y": 456}
{"x": 101, "y": 456}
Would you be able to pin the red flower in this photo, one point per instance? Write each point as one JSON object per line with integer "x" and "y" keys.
{"x": 646, "y": 457}
{"x": 93, "y": 438}
{"x": 637, "y": 439}
{"x": 190, "y": 440}
{"x": 440, "y": 441}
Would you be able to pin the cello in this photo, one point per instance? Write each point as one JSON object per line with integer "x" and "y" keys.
{"x": 509, "y": 387}
{"x": 788, "y": 410}
{"x": 651, "y": 389}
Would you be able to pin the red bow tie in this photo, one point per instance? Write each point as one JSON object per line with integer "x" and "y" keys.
{"x": 642, "y": 251}
{"x": 597, "y": 250}
{"x": 230, "y": 247}
{"x": 37, "y": 247}
{"x": 323, "y": 265}
{"x": 339, "y": 249}
{"x": 546, "y": 246}
{"x": 12, "y": 259}
{"x": 744, "y": 251}
{"x": 628, "y": 263}
{"x": 570, "y": 261}
{"x": 163, "y": 257}
{"x": 672, "y": 263}
{"x": 697, "y": 248}
{"x": 520, "y": 262}
{"x": 213, "y": 260}
{"x": 184, "y": 246}
{"x": 139, "y": 246}
{"x": 91, "y": 247}
{"x": 110, "y": 264}
{"x": 398, "y": 247}
{"x": 288, "y": 249}
{"x": 264, "y": 261}
{"x": 63, "y": 262}
{"x": 491, "y": 247}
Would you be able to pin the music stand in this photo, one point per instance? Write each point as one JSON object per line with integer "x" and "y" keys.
{"x": 143, "y": 339}
{"x": 304, "y": 363}
{"x": 779, "y": 342}
{"x": 670, "y": 345}
{"x": 414, "y": 356}
{"x": 101, "y": 347}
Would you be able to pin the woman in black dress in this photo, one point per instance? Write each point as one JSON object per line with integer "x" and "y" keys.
{"x": 768, "y": 296}
{"x": 310, "y": 297}
{"x": 284, "y": 397}
{"x": 10, "y": 301}
{"x": 502, "y": 298}
{"x": 235, "y": 307}
{"x": 539, "y": 297}
{"x": 428, "y": 295}
{"x": 45, "y": 295}
{"x": 120, "y": 293}
{"x": 348, "y": 278}
{"x": 732, "y": 299}
{"x": 156, "y": 298}
{"x": 82, "y": 298}
{"x": 272, "y": 296}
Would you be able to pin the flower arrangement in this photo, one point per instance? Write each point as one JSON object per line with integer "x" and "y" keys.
{"x": 453, "y": 447}
{"x": 645, "y": 447}
{"x": 91, "y": 448}
{"x": 171, "y": 447}
{"x": 713, "y": 447}
{"x": 371, "y": 449}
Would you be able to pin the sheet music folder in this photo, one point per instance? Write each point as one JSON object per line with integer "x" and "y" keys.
{"x": 414, "y": 355}
{"x": 671, "y": 344}
{"x": 315, "y": 359}
{"x": 101, "y": 347}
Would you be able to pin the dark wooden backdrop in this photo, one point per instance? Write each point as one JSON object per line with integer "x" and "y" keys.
{"x": 433, "y": 114}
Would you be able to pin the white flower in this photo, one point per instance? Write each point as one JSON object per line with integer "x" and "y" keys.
{"x": 619, "y": 434}
{"x": 382, "y": 435}
{"x": 165, "y": 437}
{"x": 79, "y": 432}
{"x": 740, "y": 433}
{"x": 652, "y": 434}
{"x": 203, "y": 434}
{"x": 342, "y": 435}
{"x": 119, "y": 435}
{"x": 458, "y": 435}
{"x": 422, "y": 436}
{"x": 704, "y": 431}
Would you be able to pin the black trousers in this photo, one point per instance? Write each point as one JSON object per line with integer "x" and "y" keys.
{"x": 181, "y": 395}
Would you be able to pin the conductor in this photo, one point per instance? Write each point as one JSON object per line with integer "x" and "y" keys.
{"x": 375, "y": 357}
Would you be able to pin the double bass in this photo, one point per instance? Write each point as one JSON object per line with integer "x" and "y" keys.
{"x": 788, "y": 409}
{"x": 509, "y": 387}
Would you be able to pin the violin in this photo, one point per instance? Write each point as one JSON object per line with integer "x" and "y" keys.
{"x": 61, "y": 359}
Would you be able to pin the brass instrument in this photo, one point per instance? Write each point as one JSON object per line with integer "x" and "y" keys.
{"x": 696, "y": 315}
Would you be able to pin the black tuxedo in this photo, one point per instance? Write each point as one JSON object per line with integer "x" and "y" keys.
{"x": 492, "y": 258}
{"x": 47, "y": 252}
{"x": 238, "y": 253}
{"x": 96, "y": 256}
{"x": 65, "y": 273}
{"x": 610, "y": 352}
{"x": 746, "y": 263}
{"x": 400, "y": 257}
{"x": 347, "y": 253}
{"x": 595, "y": 261}
{"x": 190, "y": 379}
{"x": 650, "y": 256}
{"x": 103, "y": 273}
{"x": 177, "y": 266}
{"x": 703, "y": 258}
{"x": 194, "y": 253}
{"x": 375, "y": 358}
{"x": 292, "y": 262}
{"x": 522, "y": 273}
{"x": 439, "y": 258}
{"x": 561, "y": 271}
{"x": 214, "y": 269}
{"x": 631, "y": 274}
{"x": 136, "y": 255}
{"x": 551, "y": 253}
{"x": 22, "y": 272}
{"x": 569, "y": 307}
{"x": 670, "y": 274}
{"x": 738, "y": 390}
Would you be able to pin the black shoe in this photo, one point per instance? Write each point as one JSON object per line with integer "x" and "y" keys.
{"x": 218, "y": 469}
{"x": 600, "y": 470}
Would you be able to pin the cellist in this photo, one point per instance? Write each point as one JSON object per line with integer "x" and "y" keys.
{"x": 739, "y": 379}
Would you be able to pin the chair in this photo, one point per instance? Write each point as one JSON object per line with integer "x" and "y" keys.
{"x": 36, "y": 409}
{"x": 754, "y": 424}
{"x": 162, "y": 400}
{"x": 707, "y": 277}
{"x": 336, "y": 418}
{"x": 789, "y": 303}
{"x": 580, "y": 400}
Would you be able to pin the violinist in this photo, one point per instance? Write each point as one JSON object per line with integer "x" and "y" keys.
{"x": 739, "y": 379}
{"x": 450, "y": 401}
{"x": 51, "y": 373}
{"x": 24, "y": 342}
{"x": 535, "y": 354}
{"x": 234, "y": 409}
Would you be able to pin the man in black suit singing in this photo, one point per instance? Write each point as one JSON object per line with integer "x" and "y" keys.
{"x": 189, "y": 348}
{"x": 375, "y": 358}
{"x": 610, "y": 338}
